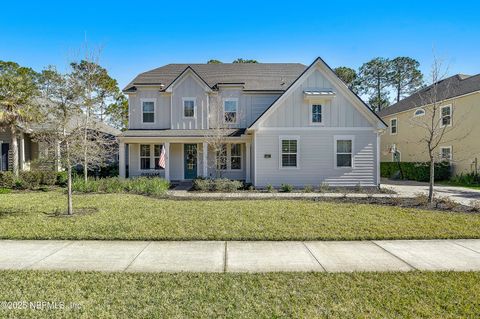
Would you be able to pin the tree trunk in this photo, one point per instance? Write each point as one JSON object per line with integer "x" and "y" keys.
{"x": 13, "y": 132}
{"x": 398, "y": 92}
{"x": 69, "y": 180}
{"x": 432, "y": 179}
{"x": 85, "y": 153}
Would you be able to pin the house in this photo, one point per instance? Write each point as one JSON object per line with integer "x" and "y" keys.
{"x": 459, "y": 111}
{"x": 279, "y": 123}
{"x": 31, "y": 151}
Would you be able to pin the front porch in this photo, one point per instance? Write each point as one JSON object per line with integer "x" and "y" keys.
{"x": 185, "y": 159}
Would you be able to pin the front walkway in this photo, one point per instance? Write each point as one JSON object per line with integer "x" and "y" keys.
{"x": 245, "y": 256}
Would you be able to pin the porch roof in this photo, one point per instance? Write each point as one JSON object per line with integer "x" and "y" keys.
{"x": 183, "y": 133}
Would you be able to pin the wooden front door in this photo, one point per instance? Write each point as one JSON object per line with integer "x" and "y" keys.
{"x": 190, "y": 161}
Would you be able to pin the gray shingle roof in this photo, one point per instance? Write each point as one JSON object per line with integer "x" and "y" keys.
{"x": 181, "y": 133}
{"x": 254, "y": 76}
{"x": 453, "y": 86}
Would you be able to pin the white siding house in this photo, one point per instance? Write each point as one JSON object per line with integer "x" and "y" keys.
{"x": 283, "y": 124}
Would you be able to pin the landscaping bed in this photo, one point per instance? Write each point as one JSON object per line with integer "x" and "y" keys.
{"x": 272, "y": 295}
{"x": 33, "y": 215}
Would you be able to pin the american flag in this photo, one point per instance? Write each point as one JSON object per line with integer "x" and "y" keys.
{"x": 161, "y": 160}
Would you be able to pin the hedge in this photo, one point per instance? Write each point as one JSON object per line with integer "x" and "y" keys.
{"x": 31, "y": 179}
{"x": 416, "y": 171}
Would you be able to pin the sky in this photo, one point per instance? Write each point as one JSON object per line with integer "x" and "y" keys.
{"x": 133, "y": 37}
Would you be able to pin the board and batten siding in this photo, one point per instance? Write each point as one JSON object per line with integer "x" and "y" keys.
{"x": 189, "y": 88}
{"x": 316, "y": 158}
{"x": 295, "y": 110}
{"x": 162, "y": 110}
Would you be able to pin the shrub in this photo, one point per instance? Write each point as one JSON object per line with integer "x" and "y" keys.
{"x": 49, "y": 178}
{"x": 62, "y": 178}
{"x": 7, "y": 179}
{"x": 475, "y": 204}
{"x": 471, "y": 179}
{"x": 270, "y": 188}
{"x": 5, "y": 190}
{"x": 226, "y": 185}
{"x": 286, "y": 188}
{"x": 30, "y": 180}
{"x": 202, "y": 184}
{"x": 417, "y": 171}
{"x": 324, "y": 187}
{"x": 140, "y": 185}
{"x": 308, "y": 189}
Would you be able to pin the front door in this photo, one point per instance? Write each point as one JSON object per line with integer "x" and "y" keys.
{"x": 4, "y": 156}
{"x": 190, "y": 160}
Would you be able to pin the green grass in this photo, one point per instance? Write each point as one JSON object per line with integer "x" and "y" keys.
{"x": 273, "y": 295}
{"x": 28, "y": 215}
{"x": 460, "y": 184}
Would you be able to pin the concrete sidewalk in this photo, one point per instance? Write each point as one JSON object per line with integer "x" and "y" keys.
{"x": 245, "y": 256}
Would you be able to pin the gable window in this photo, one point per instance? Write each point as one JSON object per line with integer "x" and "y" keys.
{"x": 419, "y": 112}
{"x": 447, "y": 115}
{"x": 343, "y": 151}
{"x": 289, "y": 152}
{"x": 148, "y": 111}
{"x": 221, "y": 157}
{"x": 393, "y": 126}
{"x": 144, "y": 156}
{"x": 230, "y": 110}
{"x": 188, "y": 108}
{"x": 235, "y": 156}
{"x": 316, "y": 114}
{"x": 446, "y": 153}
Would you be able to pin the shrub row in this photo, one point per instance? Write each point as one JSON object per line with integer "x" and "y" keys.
{"x": 417, "y": 171}
{"x": 216, "y": 185}
{"x": 139, "y": 185}
{"x": 32, "y": 179}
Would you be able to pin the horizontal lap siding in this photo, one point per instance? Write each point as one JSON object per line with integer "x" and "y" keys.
{"x": 316, "y": 160}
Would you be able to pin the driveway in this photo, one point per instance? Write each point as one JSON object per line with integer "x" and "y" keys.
{"x": 462, "y": 195}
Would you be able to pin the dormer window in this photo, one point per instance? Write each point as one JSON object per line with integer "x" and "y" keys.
{"x": 188, "y": 108}
{"x": 148, "y": 111}
{"x": 230, "y": 110}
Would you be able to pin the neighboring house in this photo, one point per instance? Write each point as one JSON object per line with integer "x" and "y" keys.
{"x": 459, "y": 113}
{"x": 29, "y": 150}
{"x": 282, "y": 123}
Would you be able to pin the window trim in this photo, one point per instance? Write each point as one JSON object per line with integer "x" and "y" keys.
{"x": 154, "y": 110}
{"x": 419, "y": 110}
{"x": 396, "y": 126}
{"x": 399, "y": 156}
{"x": 449, "y": 147}
{"x": 151, "y": 156}
{"x": 185, "y": 99}
{"x": 228, "y": 157}
{"x": 287, "y": 138}
{"x": 230, "y": 99}
{"x": 343, "y": 137}
{"x": 311, "y": 114}
{"x": 441, "y": 115}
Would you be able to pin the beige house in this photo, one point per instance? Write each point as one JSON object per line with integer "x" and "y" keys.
{"x": 458, "y": 115}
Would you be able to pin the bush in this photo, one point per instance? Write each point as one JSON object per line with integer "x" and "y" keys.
{"x": 286, "y": 188}
{"x": 417, "y": 171}
{"x": 7, "y": 179}
{"x": 30, "y": 180}
{"x": 5, "y": 190}
{"x": 217, "y": 185}
{"x": 140, "y": 185}
{"x": 49, "y": 178}
{"x": 470, "y": 179}
{"x": 324, "y": 187}
{"x": 201, "y": 184}
{"x": 270, "y": 188}
{"x": 62, "y": 178}
{"x": 308, "y": 189}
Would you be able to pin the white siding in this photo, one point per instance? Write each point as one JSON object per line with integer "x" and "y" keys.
{"x": 189, "y": 88}
{"x": 162, "y": 110}
{"x": 316, "y": 159}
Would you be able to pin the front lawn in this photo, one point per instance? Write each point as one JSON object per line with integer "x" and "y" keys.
{"x": 29, "y": 215}
{"x": 272, "y": 295}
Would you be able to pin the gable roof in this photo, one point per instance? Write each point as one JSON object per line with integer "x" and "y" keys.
{"x": 451, "y": 87}
{"x": 371, "y": 113}
{"x": 253, "y": 76}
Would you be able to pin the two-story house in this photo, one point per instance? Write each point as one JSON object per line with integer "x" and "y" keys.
{"x": 278, "y": 123}
{"x": 456, "y": 119}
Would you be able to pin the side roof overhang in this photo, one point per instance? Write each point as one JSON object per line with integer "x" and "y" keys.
{"x": 354, "y": 98}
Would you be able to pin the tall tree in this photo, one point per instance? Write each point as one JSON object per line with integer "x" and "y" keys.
{"x": 117, "y": 111}
{"x": 18, "y": 104}
{"x": 213, "y": 61}
{"x": 405, "y": 76}
{"x": 374, "y": 82}
{"x": 240, "y": 60}
{"x": 348, "y": 76}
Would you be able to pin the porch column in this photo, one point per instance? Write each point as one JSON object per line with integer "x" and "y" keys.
{"x": 205, "y": 159}
{"x": 121, "y": 159}
{"x": 167, "y": 160}
{"x": 22, "y": 152}
{"x": 247, "y": 163}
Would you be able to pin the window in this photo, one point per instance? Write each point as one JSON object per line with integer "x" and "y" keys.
{"x": 221, "y": 157}
{"x": 419, "y": 112}
{"x": 393, "y": 126}
{"x": 230, "y": 108}
{"x": 396, "y": 156}
{"x": 446, "y": 153}
{"x": 235, "y": 156}
{"x": 289, "y": 153}
{"x": 144, "y": 156}
{"x": 316, "y": 116}
{"x": 188, "y": 108}
{"x": 148, "y": 111}
{"x": 343, "y": 156}
{"x": 447, "y": 115}
{"x": 156, "y": 155}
